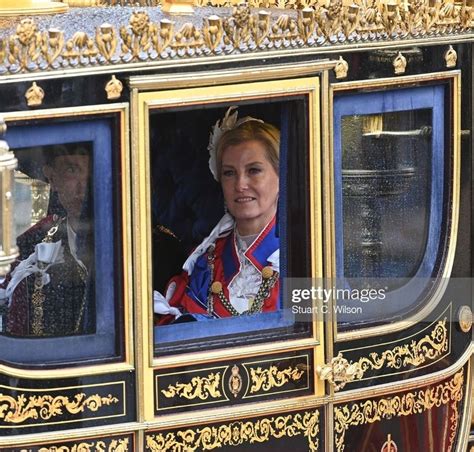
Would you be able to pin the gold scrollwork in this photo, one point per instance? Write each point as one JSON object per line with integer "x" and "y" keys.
{"x": 272, "y": 377}
{"x": 244, "y": 30}
{"x": 239, "y": 432}
{"x": 116, "y": 445}
{"x": 46, "y": 407}
{"x": 370, "y": 411}
{"x": 430, "y": 347}
{"x": 199, "y": 387}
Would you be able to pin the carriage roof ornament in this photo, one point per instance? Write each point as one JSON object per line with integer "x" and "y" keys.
{"x": 31, "y": 7}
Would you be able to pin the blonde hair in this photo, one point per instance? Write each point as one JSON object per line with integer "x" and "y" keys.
{"x": 263, "y": 132}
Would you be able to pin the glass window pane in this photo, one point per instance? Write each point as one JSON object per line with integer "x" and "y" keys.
{"x": 390, "y": 162}
{"x": 227, "y": 292}
{"x": 64, "y": 291}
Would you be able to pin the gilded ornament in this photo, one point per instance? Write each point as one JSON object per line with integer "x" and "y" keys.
{"x": 136, "y": 41}
{"x": 260, "y": 27}
{"x": 198, "y": 388}
{"x": 235, "y": 381}
{"x": 25, "y": 45}
{"x": 239, "y": 433}
{"x": 283, "y": 30}
{"x": 391, "y": 17}
{"x": 52, "y": 45}
{"x": 80, "y": 49}
{"x": 106, "y": 39}
{"x": 314, "y": 25}
{"x": 350, "y": 20}
{"x": 411, "y": 403}
{"x": 341, "y": 69}
{"x": 162, "y": 36}
{"x": 451, "y": 57}
{"x": 237, "y": 27}
{"x": 34, "y": 95}
{"x": 306, "y": 24}
{"x": 272, "y": 377}
{"x": 114, "y": 88}
{"x": 45, "y": 407}
{"x": 116, "y": 445}
{"x": 187, "y": 40}
{"x": 465, "y": 318}
{"x": 339, "y": 372}
{"x": 400, "y": 64}
{"x": 3, "y": 50}
{"x": 429, "y": 348}
{"x": 212, "y": 32}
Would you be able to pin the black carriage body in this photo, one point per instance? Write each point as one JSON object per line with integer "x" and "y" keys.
{"x": 375, "y": 193}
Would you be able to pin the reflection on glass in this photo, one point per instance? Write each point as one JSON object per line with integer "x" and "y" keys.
{"x": 50, "y": 288}
{"x": 386, "y": 186}
{"x": 235, "y": 270}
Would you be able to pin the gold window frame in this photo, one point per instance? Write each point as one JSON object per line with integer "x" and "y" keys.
{"x": 429, "y": 304}
{"x": 145, "y": 102}
{"x": 127, "y": 363}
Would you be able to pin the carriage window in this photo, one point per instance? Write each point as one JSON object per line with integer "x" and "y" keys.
{"x": 391, "y": 157}
{"x": 60, "y": 292}
{"x": 222, "y": 177}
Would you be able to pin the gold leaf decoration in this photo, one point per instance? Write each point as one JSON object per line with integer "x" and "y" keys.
{"x": 241, "y": 31}
{"x": 116, "y": 445}
{"x": 238, "y": 433}
{"x": 270, "y": 378}
{"x": 428, "y": 348}
{"x": 370, "y": 411}
{"x": 199, "y": 387}
{"x": 44, "y": 407}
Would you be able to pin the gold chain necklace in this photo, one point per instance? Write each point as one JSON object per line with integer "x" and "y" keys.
{"x": 269, "y": 279}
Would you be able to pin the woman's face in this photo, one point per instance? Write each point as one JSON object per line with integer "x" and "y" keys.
{"x": 250, "y": 186}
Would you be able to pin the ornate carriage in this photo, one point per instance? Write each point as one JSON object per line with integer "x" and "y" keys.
{"x": 371, "y": 346}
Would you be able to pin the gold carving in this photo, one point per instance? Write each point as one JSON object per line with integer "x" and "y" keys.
{"x": 25, "y": 45}
{"x": 20, "y": 409}
{"x": 341, "y": 69}
{"x": 52, "y": 45}
{"x": 106, "y": 38}
{"x": 370, "y": 411}
{"x": 243, "y": 31}
{"x": 34, "y": 95}
{"x": 339, "y": 372}
{"x": 235, "y": 381}
{"x": 114, "y": 88}
{"x": 450, "y": 57}
{"x": 428, "y": 348}
{"x": 267, "y": 379}
{"x": 199, "y": 387}
{"x": 116, "y": 445}
{"x": 465, "y": 318}
{"x": 400, "y": 64}
{"x": 239, "y": 432}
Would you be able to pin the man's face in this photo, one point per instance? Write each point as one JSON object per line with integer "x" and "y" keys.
{"x": 69, "y": 177}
